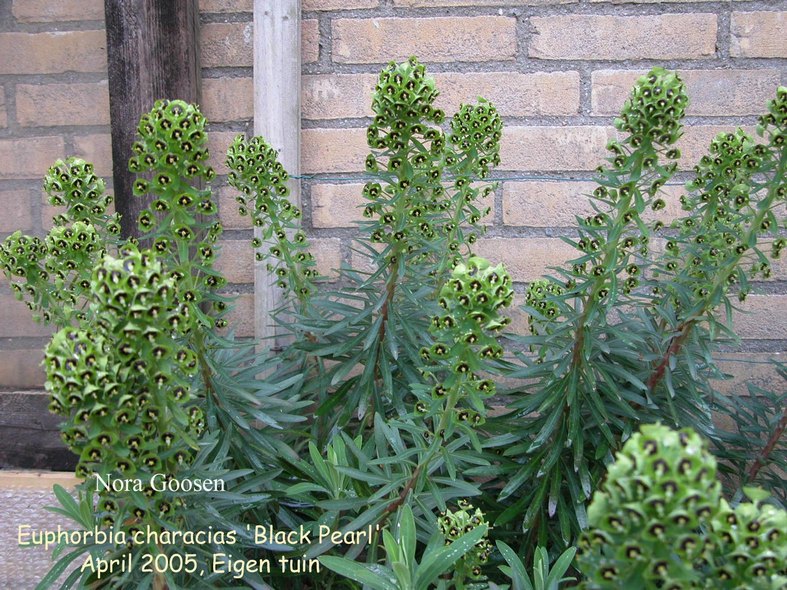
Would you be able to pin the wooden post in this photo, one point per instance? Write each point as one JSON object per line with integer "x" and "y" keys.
{"x": 153, "y": 53}
{"x": 277, "y": 117}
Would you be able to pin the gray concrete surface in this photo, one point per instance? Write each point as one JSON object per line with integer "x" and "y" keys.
{"x": 24, "y": 496}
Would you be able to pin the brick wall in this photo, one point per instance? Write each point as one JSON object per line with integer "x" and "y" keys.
{"x": 54, "y": 102}
{"x": 558, "y": 70}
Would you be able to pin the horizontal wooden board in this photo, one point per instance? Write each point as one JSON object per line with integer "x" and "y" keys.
{"x": 30, "y": 434}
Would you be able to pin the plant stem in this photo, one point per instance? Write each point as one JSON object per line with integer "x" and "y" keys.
{"x": 610, "y": 254}
{"x": 675, "y": 345}
{"x": 766, "y": 451}
{"x": 403, "y": 494}
{"x": 685, "y": 327}
{"x": 423, "y": 466}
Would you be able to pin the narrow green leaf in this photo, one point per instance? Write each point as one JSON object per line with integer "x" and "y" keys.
{"x": 560, "y": 567}
{"x": 407, "y": 536}
{"x": 519, "y": 578}
{"x": 436, "y": 563}
{"x": 48, "y": 581}
{"x": 377, "y": 577}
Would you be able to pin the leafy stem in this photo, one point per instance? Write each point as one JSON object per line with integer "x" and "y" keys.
{"x": 762, "y": 458}
{"x": 720, "y": 279}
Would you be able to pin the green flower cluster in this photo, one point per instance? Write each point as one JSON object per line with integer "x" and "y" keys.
{"x": 55, "y": 271}
{"x": 773, "y": 124}
{"x": 21, "y": 257}
{"x": 454, "y": 524}
{"x": 653, "y": 111}
{"x": 262, "y": 181}
{"x": 182, "y": 220}
{"x": 73, "y": 184}
{"x": 615, "y": 241}
{"x": 659, "y": 521}
{"x": 402, "y": 99}
{"x": 753, "y": 539}
{"x": 540, "y": 299}
{"x": 476, "y": 131}
{"x": 466, "y": 336}
{"x": 474, "y": 149}
{"x": 418, "y": 216}
{"x": 712, "y": 238}
{"x": 123, "y": 383}
{"x": 727, "y": 213}
{"x": 72, "y": 252}
{"x": 408, "y": 206}
{"x": 173, "y": 144}
{"x": 52, "y": 275}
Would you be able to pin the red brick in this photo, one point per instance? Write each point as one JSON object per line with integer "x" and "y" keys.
{"x": 308, "y": 5}
{"x": 227, "y": 45}
{"x": 15, "y": 205}
{"x": 585, "y": 36}
{"x": 48, "y": 213}
{"x": 30, "y": 157}
{"x": 522, "y": 148}
{"x": 228, "y": 209}
{"x": 328, "y": 255}
{"x": 763, "y": 317}
{"x": 514, "y": 94}
{"x": 49, "y": 105}
{"x": 337, "y": 96}
{"x": 553, "y": 148}
{"x": 3, "y": 114}
{"x": 310, "y": 40}
{"x": 337, "y": 205}
{"x": 671, "y": 195}
{"x": 333, "y": 150}
{"x": 218, "y": 142}
{"x": 520, "y": 323}
{"x": 96, "y": 148}
{"x": 22, "y": 369}
{"x": 433, "y": 39}
{"x": 53, "y": 53}
{"x": 361, "y": 260}
{"x": 236, "y": 261}
{"x": 44, "y": 11}
{"x": 16, "y": 320}
{"x": 228, "y": 99}
{"x": 711, "y": 92}
{"x": 758, "y": 34}
{"x": 224, "y": 6}
{"x": 341, "y": 205}
{"x": 545, "y": 203}
{"x": 538, "y": 203}
{"x": 431, "y": 3}
{"x": 526, "y": 259}
{"x": 748, "y": 368}
{"x": 241, "y": 317}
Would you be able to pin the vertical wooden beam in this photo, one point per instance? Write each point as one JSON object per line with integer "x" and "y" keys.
{"x": 153, "y": 53}
{"x": 277, "y": 117}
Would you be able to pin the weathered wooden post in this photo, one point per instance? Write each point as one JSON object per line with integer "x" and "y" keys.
{"x": 153, "y": 53}
{"x": 277, "y": 116}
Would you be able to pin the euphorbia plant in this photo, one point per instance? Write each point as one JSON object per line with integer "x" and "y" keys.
{"x": 625, "y": 335}
{"x": 377, "y": 415}
{"x": 659, "y": 521}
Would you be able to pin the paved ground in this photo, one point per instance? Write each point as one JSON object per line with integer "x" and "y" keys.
{"x": 23, "y": 498}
